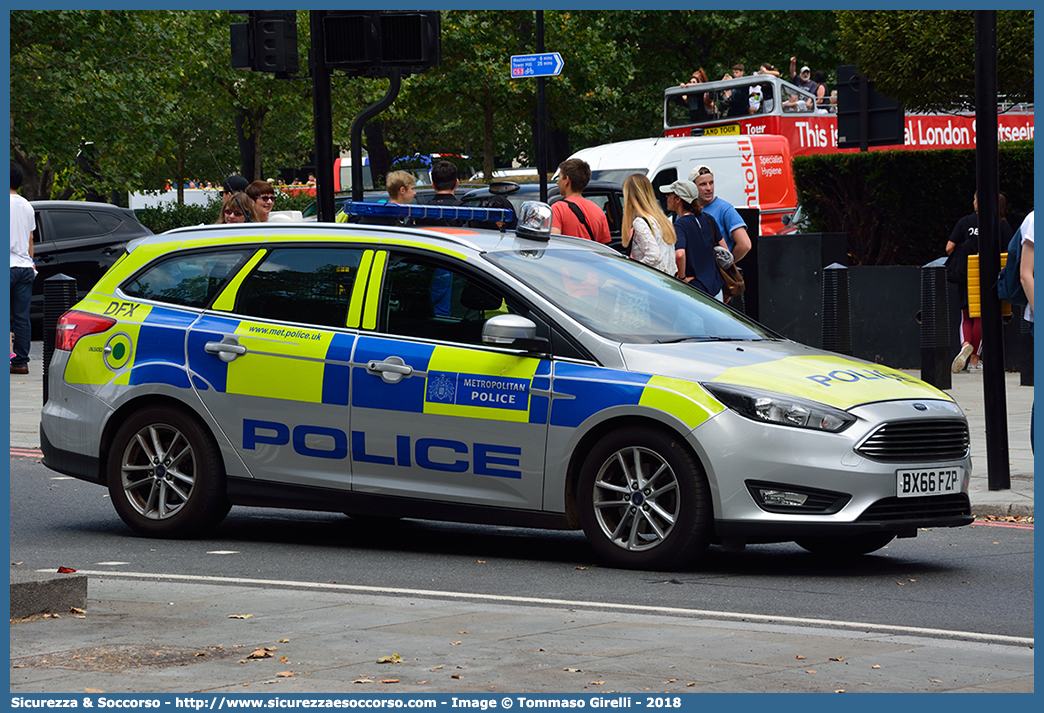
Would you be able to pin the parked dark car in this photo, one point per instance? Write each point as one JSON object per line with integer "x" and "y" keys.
{"x": 607, "y": 196}
{"x": 78, "y": 239}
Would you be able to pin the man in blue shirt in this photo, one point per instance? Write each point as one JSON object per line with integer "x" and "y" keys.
{"x": 724, "y": 214}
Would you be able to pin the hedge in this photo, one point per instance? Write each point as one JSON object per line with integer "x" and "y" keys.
{"x": 899, "y": 207}
{"x": 168, "y": 216}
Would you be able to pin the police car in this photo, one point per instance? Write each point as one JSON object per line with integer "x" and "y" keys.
{"x": 482, "y": 376}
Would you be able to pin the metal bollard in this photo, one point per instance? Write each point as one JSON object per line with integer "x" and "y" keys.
{"x": 837, "y": 310}
{"x": 935, "y": 326}
{"x": 59, "y": 296}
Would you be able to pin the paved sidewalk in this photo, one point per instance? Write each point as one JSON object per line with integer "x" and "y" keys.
{"x": 163, "y": 637}
{"x": 27, "y": 400}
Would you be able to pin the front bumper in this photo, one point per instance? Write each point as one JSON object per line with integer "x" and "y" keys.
{"x": 854, "y": 494}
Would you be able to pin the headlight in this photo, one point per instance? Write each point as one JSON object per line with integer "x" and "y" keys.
{"x": 781, "y": 409}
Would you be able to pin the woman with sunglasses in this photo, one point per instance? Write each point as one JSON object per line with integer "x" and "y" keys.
{"x": 238, "y": 208}
{"x": 263, "y": 195}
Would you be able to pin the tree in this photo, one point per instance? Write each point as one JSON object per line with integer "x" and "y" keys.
{"x": 77, "y": 77}
{"x": 926, "y": 59}
{"x": 155, "y": 93}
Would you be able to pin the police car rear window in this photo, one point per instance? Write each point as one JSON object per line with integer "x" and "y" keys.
{"x": 186, "y": 279}
{"x": 306, "y": 284}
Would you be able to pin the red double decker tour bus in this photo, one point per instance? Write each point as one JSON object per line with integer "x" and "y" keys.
{"x": 775, "y": 106}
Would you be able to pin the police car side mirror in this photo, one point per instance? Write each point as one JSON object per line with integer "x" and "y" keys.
{"x": 514, "y": 332}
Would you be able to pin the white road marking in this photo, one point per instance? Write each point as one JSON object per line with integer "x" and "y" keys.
{"x": 223, "y": 552}
{"x": 636, "y": 608}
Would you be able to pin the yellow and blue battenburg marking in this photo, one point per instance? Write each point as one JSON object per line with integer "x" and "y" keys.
{"x": 315, "y": 366}
{"x": 282, "y": 362}
{"x": 148, "y": 348}
{"x": 581, "y": 391}
{"x": 453, "y": 381}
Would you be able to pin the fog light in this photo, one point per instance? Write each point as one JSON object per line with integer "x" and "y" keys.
{"x": 782, "y": 497}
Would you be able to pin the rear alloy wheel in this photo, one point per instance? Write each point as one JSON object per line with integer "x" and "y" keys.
{"x": 644, "y": 500}
{"x": 165, "y": 474}
{"x": 850, "y": 545}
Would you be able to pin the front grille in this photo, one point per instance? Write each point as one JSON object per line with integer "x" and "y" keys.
{"x": 917, "y": 441}
{"x": 917, "y": 508}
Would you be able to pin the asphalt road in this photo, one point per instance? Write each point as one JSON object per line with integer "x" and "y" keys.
{"x": 973, "y": 579}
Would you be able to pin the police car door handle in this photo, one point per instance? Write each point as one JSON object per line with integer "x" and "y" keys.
{"x": 227, "y": 349}
{"x": 392, "y": 369}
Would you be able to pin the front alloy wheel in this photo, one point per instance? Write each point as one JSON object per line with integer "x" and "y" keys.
{"x": 644, "y": 500}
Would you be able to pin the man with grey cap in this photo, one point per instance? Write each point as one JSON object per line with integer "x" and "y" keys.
{"x": 803, "y": 80}
{"x": 723, "y": 212}
{"x": 697, "y": 237}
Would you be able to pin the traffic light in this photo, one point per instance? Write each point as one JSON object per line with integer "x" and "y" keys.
{"x": 885, "y": 117}
{"x": 364, "y": 43}
{"x": 359, "y": 43}
{"x": 267, "y": 42}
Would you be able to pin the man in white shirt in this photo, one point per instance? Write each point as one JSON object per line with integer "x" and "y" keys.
{"x": 23, "y": 272}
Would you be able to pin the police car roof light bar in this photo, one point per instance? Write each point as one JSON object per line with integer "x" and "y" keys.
{"x": 397, "y": 210}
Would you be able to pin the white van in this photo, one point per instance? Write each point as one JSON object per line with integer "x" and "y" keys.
{"x": 749, "y": 171}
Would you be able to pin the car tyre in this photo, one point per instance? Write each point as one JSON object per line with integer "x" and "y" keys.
{"x": 644, "y": 500}
{"x": 850, "y": 545}
{"x": 165, "y": 474}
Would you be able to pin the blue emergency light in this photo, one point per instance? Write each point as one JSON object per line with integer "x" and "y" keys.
{"x": 398, "y": 210}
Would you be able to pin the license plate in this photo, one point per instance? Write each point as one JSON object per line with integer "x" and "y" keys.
{"x": 918, "y": 483}
{"x": 727, "y": 130}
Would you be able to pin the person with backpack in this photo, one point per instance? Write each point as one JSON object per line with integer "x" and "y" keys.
{"x": 964, "y": 241}
{"x": 697, "y": 235}
{"x": 575, "y": 215}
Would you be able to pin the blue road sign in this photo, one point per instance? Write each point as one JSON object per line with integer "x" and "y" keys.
{"x": 548, "y": 64}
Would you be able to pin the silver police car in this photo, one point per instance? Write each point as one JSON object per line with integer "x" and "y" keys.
{"x": 482, "y": 376}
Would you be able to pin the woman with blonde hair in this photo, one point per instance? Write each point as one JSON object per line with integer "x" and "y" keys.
{"x": 238, "y": 208}
{"x": 648, "y": 232}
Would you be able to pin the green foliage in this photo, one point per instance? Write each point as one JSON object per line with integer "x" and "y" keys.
{"x": 926, "y": 59}
{"x": 154, "y": 92}
{"x": 168, "y": 216}
{"x": 899, "y": 207}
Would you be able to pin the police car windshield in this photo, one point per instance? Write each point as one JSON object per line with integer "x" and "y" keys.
{"x": 624, "y": 300}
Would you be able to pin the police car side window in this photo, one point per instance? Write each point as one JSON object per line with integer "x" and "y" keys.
{"x": 188, "y": 279}
{"x": 423, "y": 298}
{"x": 302, "y": 284}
